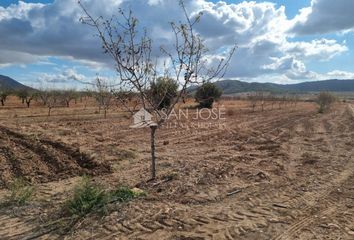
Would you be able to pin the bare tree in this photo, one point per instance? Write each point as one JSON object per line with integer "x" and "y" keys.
{"x": 85, "y": 96}
{"x": 296, "y": 99}
{"x": 49, "y": 98}
{"x": 3, "y": 96}
{"x": 52, "y": 100}
{"x": 102, "y": 95}
{"x": 137, "y": 65}
{"x": 68, "y": 96}
{"x": 273, "y": 100}
{"x": 261, "y": 97}
{"x": 26, "y": 96}
{"x": 22, "y": 94}
{"x": 325, "y": 101}
{"x": 253, "y": 101}
{"x": 282, "y": 101}
{"x": 43, "y": 96}
{"x": 127, "y": 100}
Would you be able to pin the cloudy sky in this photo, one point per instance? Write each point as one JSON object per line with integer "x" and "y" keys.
{"x": 42, "y": 42}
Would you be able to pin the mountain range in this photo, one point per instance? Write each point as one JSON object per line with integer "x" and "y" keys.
{"x": 233, "y": 86}
{"x": 9, "y": 84}
{"x": 230, "y": 87}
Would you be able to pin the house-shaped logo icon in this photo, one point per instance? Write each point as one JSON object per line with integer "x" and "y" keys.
{"x": 142, "y": 119}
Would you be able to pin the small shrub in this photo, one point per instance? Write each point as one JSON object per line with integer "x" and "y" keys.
{"x": 207, "y": 94}
{"x": 125, "y": 154}
{"x": 325, "y": 101}
{"x": 87, "y": 197}
{"x": 125, "y": 194}
{"x": 20, "y": 192}
{"x": 163, "y": 91}
{"x": 90, "y": 197}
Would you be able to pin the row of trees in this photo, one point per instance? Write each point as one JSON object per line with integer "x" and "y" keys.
{"x": 26, "y": 96}
{"x": 163, "y": 91}
{"x": 324, "y": 101}
{"x": 262, "y": 99}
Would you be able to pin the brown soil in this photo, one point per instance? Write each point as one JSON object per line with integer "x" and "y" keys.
{"x": 41, "y": 160}
{"x": 279, "y": 174}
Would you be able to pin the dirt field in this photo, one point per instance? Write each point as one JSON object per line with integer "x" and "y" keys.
{"x": 279, "y": 174}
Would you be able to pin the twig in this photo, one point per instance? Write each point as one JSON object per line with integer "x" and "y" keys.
{"x": 233, "y": 193}
{"x": 279, "y": 205}
{"x": 163, "y": 181}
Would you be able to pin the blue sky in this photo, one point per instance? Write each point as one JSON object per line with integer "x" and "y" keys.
{"x": 44, "y": 44}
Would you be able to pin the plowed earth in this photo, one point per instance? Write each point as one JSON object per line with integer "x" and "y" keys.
{"x": 41, "y": 160}
{"x": 279, "y": 174}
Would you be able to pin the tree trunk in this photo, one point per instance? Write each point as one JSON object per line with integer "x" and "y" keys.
{"x": 49, "y": 109}
{"x": 28, "y": 103}
{"x": 105, "y": 113}
{"x": 153, "y": 156}
{"x": 2, "y": 102}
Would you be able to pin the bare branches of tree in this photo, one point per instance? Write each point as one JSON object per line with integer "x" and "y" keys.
{"x": 103, "y": 95}
{"x": 3, "y": 96}
{"x": 325, "y": 101}
{"x": 67, "y": 96}
{"x": 137, "y": 66}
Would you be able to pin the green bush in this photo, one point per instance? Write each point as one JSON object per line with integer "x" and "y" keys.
{"x": 125, "y": 194}
{"x": 87, "y": 197}
{"x": 163, "y": 91}
{"x": 20, "y": 192}
{"x": 207, "y": 94}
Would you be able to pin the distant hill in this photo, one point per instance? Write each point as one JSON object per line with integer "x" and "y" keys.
{"x": 9, "y": 84}
{"x": 234, "y": 86}
{"x": 327, "y": 85}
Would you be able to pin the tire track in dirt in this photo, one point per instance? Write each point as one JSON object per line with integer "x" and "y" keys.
{"x": 320, "y": 199}
{"x": 209, "y": 222}
{"x": 204, "y": 222}
{"x": 247, "y": 215}
{"x": 314, "y": 202}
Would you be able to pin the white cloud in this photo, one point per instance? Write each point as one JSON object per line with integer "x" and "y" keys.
{"x": 336, "y": 74}
{"x": 320, "y": 49}
{"x": 67, "y": 78}
{"x": 34, "y": 31}
{"x": 325, "y": 16}
{"x": 19, "y": 10}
